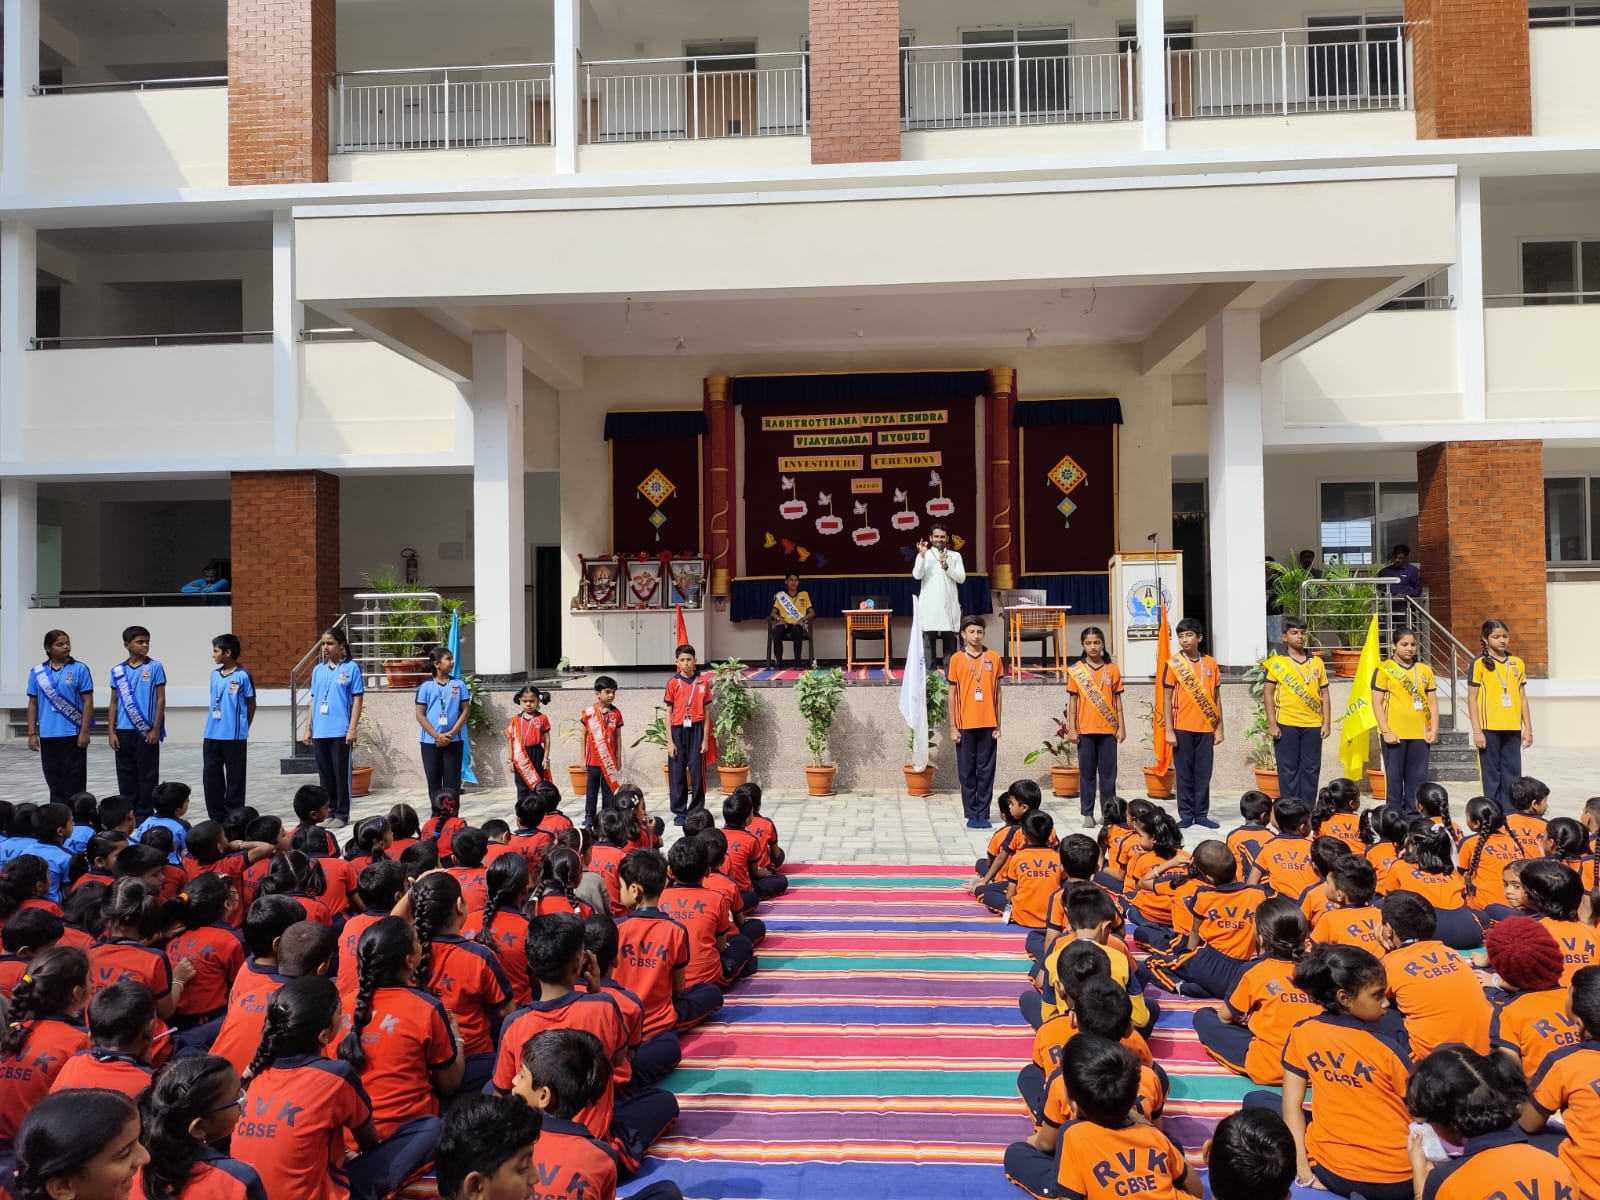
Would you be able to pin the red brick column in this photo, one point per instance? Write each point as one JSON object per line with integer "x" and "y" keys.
{"x": 855, "y": 81}
{"x": 1470, "y": 72}
{"x": 1481, "y": 535}
{"x": 281, "y": 56}
{"x": 285, "y": 566}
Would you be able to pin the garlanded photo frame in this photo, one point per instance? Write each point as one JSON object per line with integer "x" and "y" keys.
{"x": 645, "y": 589}
{"x": 687, "y": 582}
{"x": 602, "y": 583}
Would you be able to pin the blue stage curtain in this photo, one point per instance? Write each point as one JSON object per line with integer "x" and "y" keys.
{"x": 1028, "y": 414}
{"x": 662, "y": 423}
{"x": 752, "y": 598}
{"x": 1086, "y": 595}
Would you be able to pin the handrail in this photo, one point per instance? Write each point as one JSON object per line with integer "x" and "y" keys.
{"x": 309, "y": 659}
{"x": 1524, "y": 297}
{"x": 333, "y": 333}
{"x": 691, "y": 58}
{"x": 144, "y": 339}
{"x": 1216, "y": 33}
{"x": 369, "y": 71}
{"x": 142, "y": 599}
{"x": 1115, "y": 41}
{"x": 130, "y": 85}
{"x": 385, "y": 626}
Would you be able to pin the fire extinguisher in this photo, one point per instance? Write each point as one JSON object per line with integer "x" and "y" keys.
{"x": 409, "y": 557}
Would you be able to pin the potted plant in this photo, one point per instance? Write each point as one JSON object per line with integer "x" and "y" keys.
{"x": 734, "y": 709}
{"x": 1344, "y": 606}
{"x": 374, "y": 749}
{"x": 571, "y": 730}
{"x": 818, "y": 695}
{"x": 1158, "y": 785}
{"x": 408, "y": 627}
{"x": 1378, "y": 782}
{"x": 1062, "y": 751}
{"x": 1258, "y": 737}
{"x": 655, "y": 734}
{"x": 937, "y": 694}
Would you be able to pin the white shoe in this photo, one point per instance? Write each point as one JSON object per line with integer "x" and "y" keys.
{"x": 334, "y": 823}
{"x": 1089, "y": 822}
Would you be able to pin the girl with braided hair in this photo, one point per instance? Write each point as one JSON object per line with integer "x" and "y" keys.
{"x": 465, "y": 975}
{"x": 83, "y": 1144}
{"x": 24, "y": 884}
{"x": 297, "y": 875}
{"x": 371, "y": 842}
{"x": 503, "y": 926}
{"x": 557, "y": 889}
{"x": 191, "y": 1106}
{"x": 1568, "y": 842}
{"x": 1428, "y": 869}
{"x": 1485, "y": 854}
{"x": 402, "y": 1040}
{"x": 46, "y": 1029}
{"x": 1555, "y": 893}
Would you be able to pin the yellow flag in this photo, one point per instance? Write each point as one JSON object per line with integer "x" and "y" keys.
{"x": 1359, "y": 719}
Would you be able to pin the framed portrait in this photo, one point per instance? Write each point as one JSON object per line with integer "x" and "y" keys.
{"x": 645, "y": 589}
{"x": 602, "y": 580}
{"x": 687, "y": 582}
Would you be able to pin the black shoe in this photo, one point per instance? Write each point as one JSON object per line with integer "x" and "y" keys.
{"x": 1186, "y": 823}
{"x": 678, "y": 820}
{"x": 982, "y": 823}
{"x": 1207, "y": 822}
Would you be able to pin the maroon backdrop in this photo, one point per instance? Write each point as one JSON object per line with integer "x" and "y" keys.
{"x": 1084, "y": 538}
{"x": 633, "y": 459}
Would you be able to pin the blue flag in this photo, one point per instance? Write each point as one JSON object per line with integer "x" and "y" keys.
{"x": 454, "y": 646}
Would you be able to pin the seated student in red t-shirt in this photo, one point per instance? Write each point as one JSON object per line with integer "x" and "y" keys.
{"x": 651, "y": 1061}
{"x": 379, "y": 888}
{"x": 46, "y": 1028}
{"x": 441, "y": 828}
{"x": 207, "y": 907}
{"x": 304, "y": 948}
{"x": 765, "y": 829}
{"x": 193, "y": 1106}
{"x": 561, "y": 874}
{"x": 608, "y": 851}
{"x": 717, "y": 954}
{"x": 654, "y": 956}
{"x": 528, "y": 839}
{"x": 264, "y": 926}
{"x": 132, "y": 918}
{"x": 502, "y": 926}
{"x": 303, "y": 1110}
{"x": 299, "y": 876}
{"x": 338, "y": 875}
{"x": 207, "y": 848}
{"x": 560, "y": 1073}
{"x": 486, "y": 1151}
{"x": 122, "y": 1034}
{"x": 754, "y": 929}
{"x": 312, "y": 804}
{"x": 469, "y": 852}
{"x": 25, "y": 934}
{"x": 747, "y": 856}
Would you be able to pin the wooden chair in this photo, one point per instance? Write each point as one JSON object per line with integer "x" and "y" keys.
{"x": 870, "y": 636}
{"x": 1041, "y": 635}
{"x": 775, "y": 648}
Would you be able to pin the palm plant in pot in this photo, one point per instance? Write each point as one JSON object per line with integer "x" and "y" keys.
{"x": 818, "y": 695}
{"x": 655, "y": 734}
{"x": 1062, "y": 752}
{"x": 937, "y": 694}
{"x": 409, "y": 626}
{"x": 1158, "y": 785}
{"x": 1344, "y": 606}
{"x": 1258, "y": 737}
{"x": 734, "y": 709}
{"x": 571, "y": 730}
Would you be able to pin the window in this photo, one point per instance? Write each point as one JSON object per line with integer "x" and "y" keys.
{"x": 1353, "y": 56}
{"x": 1542, "y": 16}
{"x": 992, "y": 58}
{"x": 1554, "y": 271}
{"x": 1572, "y": 519}
{"x": 1363, "y": 522}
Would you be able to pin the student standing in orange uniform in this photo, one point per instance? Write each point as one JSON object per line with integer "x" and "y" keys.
{"x": 975, "y": 675}
{"x": 1193, "y": 721}
{"x": 1094, "y": 721}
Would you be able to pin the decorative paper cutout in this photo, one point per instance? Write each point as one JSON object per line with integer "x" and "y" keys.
{"x": 656, "y": 488}
{"x": 866, "y": 535}
{"x": 769, "y": 541}
{"x": 792, "y": 509}
{"x": 830, "y": 524}
{"x": 904, "y": 519}
{"x": 938, "y": 506}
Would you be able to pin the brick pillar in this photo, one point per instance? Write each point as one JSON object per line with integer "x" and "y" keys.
{"x": 1470, "y": 72}
{"x": 855, "y": 81}
{"x": 281, "y": 56}
{"x": 1481, "y": 541}
{"x": 285, "y": 566}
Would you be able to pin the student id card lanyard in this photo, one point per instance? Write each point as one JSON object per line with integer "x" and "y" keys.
{"x": 1410, "y": 672}
{"x": 1504, "y": 683}
{"x": 977, "y": 688}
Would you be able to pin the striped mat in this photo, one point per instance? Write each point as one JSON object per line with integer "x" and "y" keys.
{"x": 875, "y": 1052}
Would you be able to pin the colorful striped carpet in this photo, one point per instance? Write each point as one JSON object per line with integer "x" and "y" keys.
{"x": 875, "y": 1053}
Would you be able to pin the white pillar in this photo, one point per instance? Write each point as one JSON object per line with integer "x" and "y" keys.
{"x": 1465, "y": 280}
{"x": 500, "y": 552}
{"x": 565, "y": 84}
{"x": 19, "y": 293}
{"x": 1237, "y": 519}
{"x": 22, "y": 76}
{"x": 1152, "y": 28}
{"x": 19, "y": 578}
{"x": 288, "y": 318}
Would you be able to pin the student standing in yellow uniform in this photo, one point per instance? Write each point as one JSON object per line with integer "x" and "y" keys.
{"x": 1299, "y": 713}
{"x": 1405, "y": 702}
{"x": 1502, "y": 722}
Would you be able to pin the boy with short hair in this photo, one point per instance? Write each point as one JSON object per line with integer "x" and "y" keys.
{"x": 654, "y": 951}
{"x": 716, "y": 844}
{"x": 688, "y": 701}
{"x": 1351, "y": 919}
{"x": 1091, "y": 916}
{"x": 1251, "y": 1156}
{"x": 745, "y": 863}
{"x": 655, "y": 1059}
{"x": 1530, "y": 798}
{"x": 1245, "y": 841}
{"x": 1283, "y": 863}
{"x": 975, "y": 674}
{"x": 1020, "y": 799}
{"x": 1566, "y": 1084}
{"x": 601, "y": 724}
{"x": 226, "y": 745}
{"x": 169, "y": 802}
{"x": 716, "y": 954}
{"x": 1031, "y": 876}
{"x": 1192, "y": 712}
{"x": 122, "y": 1033}
{"x": 136, "y": 714}
{"x": 1299, "y": 712}
{"x": 1216, "y": 928}
{"x": 267, "y": 926}
{"x": 485, "y": 1150}
{"x": 1430, "y": 985}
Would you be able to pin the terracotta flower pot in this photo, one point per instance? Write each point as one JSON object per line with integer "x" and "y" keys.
{"x": 360, "y": 781}
{"x": 1379, "y": 783}
{"x": 819, "y": 780}
{"x": 919, "y": 783}
{"x": 406, "y": 672}
{"x": 1267, "y": 780}
{"x": 1159, "y": 785}
{"x": 732, "y": 777}
{"x": 579, "y": 777}
{"x": 666, "y": 777}
{"x": 1064, "y": 781}
{"x": 1345, "y": 661}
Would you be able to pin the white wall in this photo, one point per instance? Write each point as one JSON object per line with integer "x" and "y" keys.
{"x": 179, "y": 637}
{"x": 1507, "y": 220}
{"x": 1564, "y": 97}
{"x": 1541, "y": 362}
{"x": 363, "y": 398}
{"x": 1386, "y": 366}
{"x": 112, "y": 140}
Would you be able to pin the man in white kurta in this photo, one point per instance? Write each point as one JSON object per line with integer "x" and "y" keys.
{"x": 939, "y": 570}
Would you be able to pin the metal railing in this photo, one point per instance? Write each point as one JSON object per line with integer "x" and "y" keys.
{"x": 132, "y": 85}
{"x": 393, "y": 626}
{"x": 1539, "y": 299}
{"x": 332, "y": 333}
{"x": 299, "y": 674}
{"x": 687, "y": 99}
{"x": 1431, "y": 295}
{"x": 131, "y": 599}
{"x": 1019, "y": 83}
{"x": 442, "y": 108}
{"x": 249, "y": 336}
{"x": 1440, "y": 649}
{"x": 1282, "y": 71}
{"x": 1577, "y": 15}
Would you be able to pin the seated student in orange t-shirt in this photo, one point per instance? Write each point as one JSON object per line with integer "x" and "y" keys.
{"x": 1433, "y": 987}
{"x": 1020, "y": 799}
{"x": 1074, "y": 967}
{"x": 1351, "y": 918}
{"x": 1554, "y": 894}
{"x": 1529, "y": 799}
{"x": 1101, "y": 1152}
{"x": 1388, "y": 829}
{"x": 1079, "y": 857}
{"x": 1031, "y": 876}
{"x": 1091, "y": 915}
{"x": 1100, "y": 1008}
{"x": 1246, "y": 1032}
{"x": 1530, "y": 1019}
{"x": 1158, "y": 878}
{"x": 1566, "y": 1084}
{"x": 1119, "y": 838}
{"x": 1486, "y": 853}
{"x": 1283, "y": 862}
{"x": 1246, "y": 841}
{"x": 1216, "y": 929}
{"x": 1337, "y": 813}
{"x": 1428, "y": 869}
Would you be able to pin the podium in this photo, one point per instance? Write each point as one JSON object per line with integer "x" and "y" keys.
{"x": 1141, "y": 581}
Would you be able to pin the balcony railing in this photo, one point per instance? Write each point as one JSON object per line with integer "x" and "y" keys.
{"x": 224, "y": 338}
{"x": 1019, "y": 83}
{"x": 688, "y": 99}
{"x": 442, "y": 108}
{"x": 1539, "y": 299}
{"x": 1354, "y": 68}
{"x": 132, "y": 85}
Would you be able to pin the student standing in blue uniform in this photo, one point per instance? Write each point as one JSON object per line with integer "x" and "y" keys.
{"x": 136, "y": 715}
{"x": 442, "y": 705}
{"x": 336, "y": 694}
{"x": 225, "y": 748}
{"x": 60, "y": 711}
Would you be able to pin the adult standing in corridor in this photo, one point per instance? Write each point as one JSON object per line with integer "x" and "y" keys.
{"x": 939, "y": 570}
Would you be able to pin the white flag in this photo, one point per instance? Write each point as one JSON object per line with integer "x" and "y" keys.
{"x": 914, "y": 693}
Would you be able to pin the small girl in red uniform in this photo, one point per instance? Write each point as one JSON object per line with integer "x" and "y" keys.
{"x": 46, "y": 1029}
{"x": 192, "y": 1106}
{"x": 207, "y": 906}
{"x": 560, "y": 874}
{"x": 502, "y": 926}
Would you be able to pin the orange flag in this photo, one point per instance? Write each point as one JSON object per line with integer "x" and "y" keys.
{"x": 681, "y": 632}
{"x": 1158, "y": 731}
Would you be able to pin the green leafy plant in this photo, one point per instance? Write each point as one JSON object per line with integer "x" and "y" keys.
{"x": 1286, "y": 583}
{"x": 735, "y": 708}
{"x": 937, "y": 693}
{"x": 409, "y": 625}
{"x": 818, "y": 695}
{"x": 1343, "y": 604}
{"x": 1258, "y": 736}
{"x": 1060, "y": 748}
{"x": 655, "y": 733}
{"x": 478, "y": 722}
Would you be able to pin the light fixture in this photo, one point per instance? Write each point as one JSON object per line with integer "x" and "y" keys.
{"x": 679, "y": 348}
{"x": 1032, "y": 340}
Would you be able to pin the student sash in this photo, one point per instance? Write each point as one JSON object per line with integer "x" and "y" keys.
{"x": 1419, "y": 698}
{"x": 1285, "y": 674}
{"x": 1183, "y": 671}
{"x": 69, "y": 710}
{"x": 791, "y": 610}
{"x": 520, "y": 759}
{"x": 1090, "y": 690}
{"x": 130, "y": 702}
{"x": 597, "y": 736}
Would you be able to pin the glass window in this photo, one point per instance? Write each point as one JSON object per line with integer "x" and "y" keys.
{"x": 1348, "y": 513}
{"x": 991, "y": 59}
{"x": 1589, "y": 272}
{"x": 1548, "y": 267}
{"x": 1397, "y": 518}
{"x": 1565, "y": 538}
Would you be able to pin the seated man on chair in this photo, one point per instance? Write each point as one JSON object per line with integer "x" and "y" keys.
{"x": 789, "y": 620}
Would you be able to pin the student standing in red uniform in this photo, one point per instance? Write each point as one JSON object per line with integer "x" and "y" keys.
{"x": 122, "y": 1031}
{"x": 528, "y": 736}
{"x": 214, "y": 947}
{"x": 600, "y": 727}
{"x": 503, "y": 926}
{"x": 46, "y": 1028}
{"x": 654, "y": 955}
{"x": 688, "y": 701}
{"x": 486, "y": 1151}
{"x": 192, "y": 1107}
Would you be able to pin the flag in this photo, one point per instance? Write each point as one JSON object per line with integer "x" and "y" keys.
{"x": 1158, "y": 720}
{"x": 1359, "y": 719}
{"x": 454, "y": 646}
{"x": 914, "y": 692}
{"x": 680, "y": 631}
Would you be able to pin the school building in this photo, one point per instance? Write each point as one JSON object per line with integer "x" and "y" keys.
{"x": 314, "y": 287}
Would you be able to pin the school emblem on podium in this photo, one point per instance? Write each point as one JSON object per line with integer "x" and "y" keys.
{"x": 1066, "y": 475}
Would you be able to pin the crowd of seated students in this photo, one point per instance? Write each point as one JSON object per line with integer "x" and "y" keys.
{"x": 1422, "y": 1000}
{"x": 244, "y": 1010}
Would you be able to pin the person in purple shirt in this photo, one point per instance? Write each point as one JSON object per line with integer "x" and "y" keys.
{"x": 1405, "y": 573}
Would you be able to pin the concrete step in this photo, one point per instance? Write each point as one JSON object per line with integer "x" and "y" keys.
{"x": 301, "y": 762}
